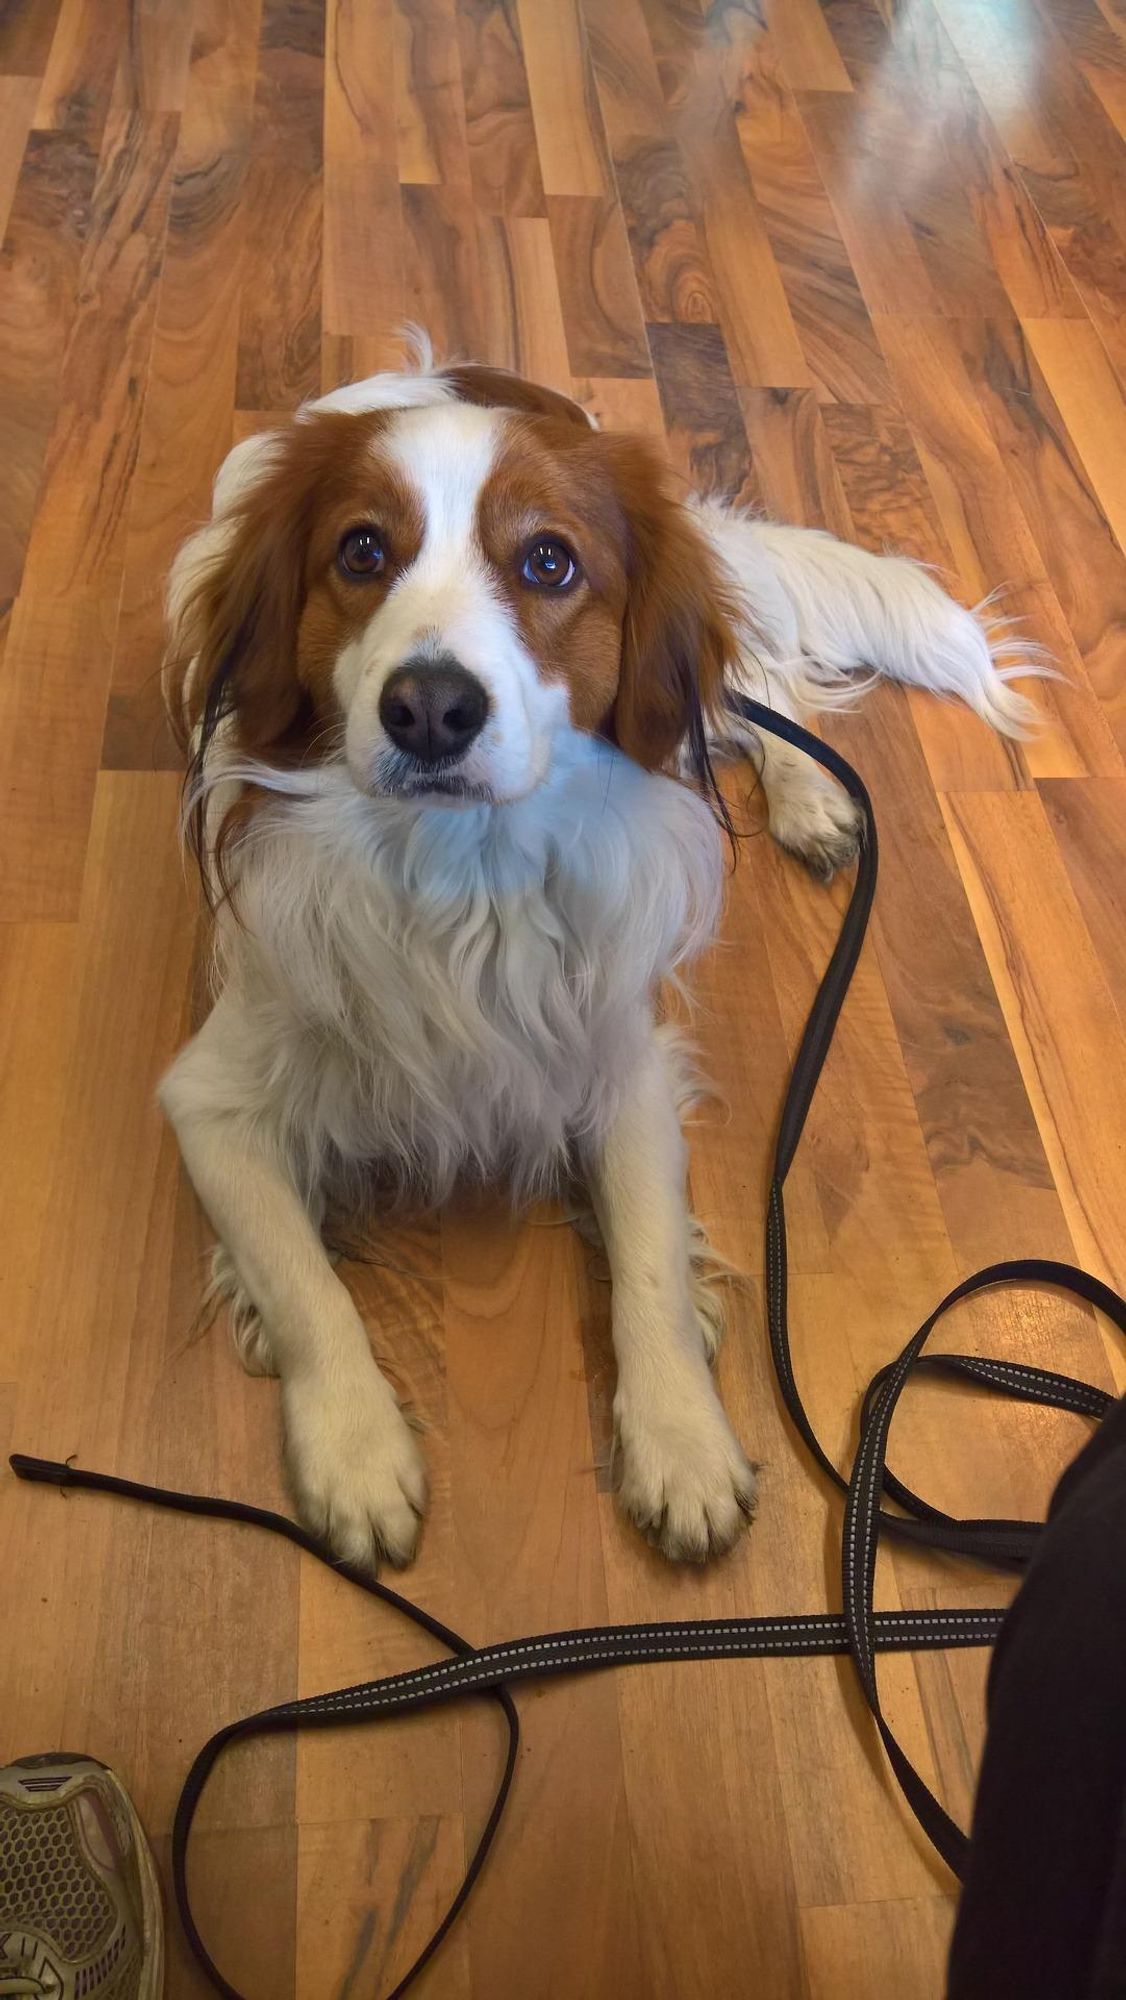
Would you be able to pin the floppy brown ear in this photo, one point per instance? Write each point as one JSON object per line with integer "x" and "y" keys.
{"x": 235, "y": 599}
{"x": 500, "y": 389}
{"x": 234, "y": 605}
{"x": 678, "y": 633}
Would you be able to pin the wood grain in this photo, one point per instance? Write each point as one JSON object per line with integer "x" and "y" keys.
{"x": 40, "y": 261}
{"x": 500, "y": 132}
{"x": 598, "y": 288}
{"x": 279, "y": 335}
{"x": 863, "y": 265}
{"x": 430, "y": 141}
{"x": 185, "y": 427}
{"x": 702, "y": 413}
{"x": 842, "y": 354}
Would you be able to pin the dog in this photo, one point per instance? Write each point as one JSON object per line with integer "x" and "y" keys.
{"x": 451, "y": 665}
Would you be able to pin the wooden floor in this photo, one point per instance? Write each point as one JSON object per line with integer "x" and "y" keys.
{"x": 866, "y": 263}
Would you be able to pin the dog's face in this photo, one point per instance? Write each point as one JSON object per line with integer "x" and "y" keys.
{"x": 436, "y": 591}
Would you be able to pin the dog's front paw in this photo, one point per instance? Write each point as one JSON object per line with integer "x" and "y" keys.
{"x": 683, "y": 1476}
{"x": 357, "y": 1474}
{"x": 822, "y": 826}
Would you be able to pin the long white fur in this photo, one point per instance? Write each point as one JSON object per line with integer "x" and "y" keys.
{"x": 443, "y": 991}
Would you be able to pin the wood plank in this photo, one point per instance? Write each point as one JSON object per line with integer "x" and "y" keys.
{"x": 974, "y": 229}
{"x": 185, "y": 429}
{"x": 837, "y": 338}
{"x": 522, "y": 323}
{"x": 1086, "y": 821}
{"x": 807, "y": 54}
{"x": 702, "y": 413}
{"x": 1046, "y": 971}
{"x": 244, "y": 1882}
{"x": 431, "y": 139}
{"x": 672, "y": 268}
{"x": 519, "y": 1427}
{"x": 753, "y": 306}
{"x": 385, "y": 1815}
{"x": 797, "y": 473}
{"x": 1065, "y": 149}
{"x": 867, "y": 204}
{"x": 56, "y": 671}
{"x": 569, "y": 136}
{"x": 598, "y": 291}
{"x": 889, "y": 502}
{"x": 81, "y": 70}
{"x": 853, "y": 1951}
{"x": 1077, "y": 372}
{"x": 1096, "y": 44}
{"x": 79, "y": 529}
{"x": 500, "y": 131}
{"x": 442, "y": 272}
{"x": 17, "y": 103}
{"x": 40, "y": 262}
{"x": 153, "y": 71}
{"x": 362, "y": 268}
{"x": 624, "y": 405}
{"x": 53, "y": 683}
{"x": 38, "y": 997}
{"x": 369, "y": 1894}
{"x": 25, "y": 37}
{"x": 279, "y": 359}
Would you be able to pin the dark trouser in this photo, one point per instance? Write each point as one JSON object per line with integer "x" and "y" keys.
{"x": 1043, "y": 1910}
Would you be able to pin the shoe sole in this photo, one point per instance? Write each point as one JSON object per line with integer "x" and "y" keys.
{"x": 69, "y": 1765}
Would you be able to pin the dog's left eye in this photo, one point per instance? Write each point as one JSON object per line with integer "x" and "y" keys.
{"x": 361, "y": 553}
{"x": 549, "y": 564}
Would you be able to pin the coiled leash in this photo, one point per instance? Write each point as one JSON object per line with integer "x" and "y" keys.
{"x": 859, "y": 1630}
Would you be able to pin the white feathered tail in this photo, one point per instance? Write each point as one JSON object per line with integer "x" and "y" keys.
{"x": 822, "y": 611}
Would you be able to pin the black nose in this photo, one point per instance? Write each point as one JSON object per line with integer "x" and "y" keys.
{"x": 433, "y": 709}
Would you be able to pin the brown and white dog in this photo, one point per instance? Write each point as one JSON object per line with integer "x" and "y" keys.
{"x": 437, "y": 656}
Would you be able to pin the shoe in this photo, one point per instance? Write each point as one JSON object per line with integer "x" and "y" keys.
{"x": 80, "y": 1913}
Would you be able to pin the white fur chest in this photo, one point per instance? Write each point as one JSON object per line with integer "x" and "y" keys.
{"x": 458, "y": 991}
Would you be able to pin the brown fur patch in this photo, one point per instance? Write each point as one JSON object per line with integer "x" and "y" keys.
{"x": 547, "y": 482}
{"x": 500, "y": 389}
{"x": 643, "y": 637}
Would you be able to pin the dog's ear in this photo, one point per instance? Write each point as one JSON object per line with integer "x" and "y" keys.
{"x": 678, "y": 633}
{"x": 500, "y": 389}
{"x": 234, "y": 604}
{"x": 235, "y": 599}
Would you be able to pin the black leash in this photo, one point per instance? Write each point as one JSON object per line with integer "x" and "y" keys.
{"x": 859, "y": 1630}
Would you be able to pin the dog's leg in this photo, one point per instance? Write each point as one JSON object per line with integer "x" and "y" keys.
{"x": 357, "y": 1474}
{"x": 683, "y": 1476}
{"x": 809, "y": 814}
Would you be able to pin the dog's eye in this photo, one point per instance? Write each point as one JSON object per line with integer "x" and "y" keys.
{"x": 361, "y": 553}
{"x": 549, "y": 564}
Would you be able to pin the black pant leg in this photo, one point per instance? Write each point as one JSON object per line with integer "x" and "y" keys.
{"x": 1043, "y": 1909}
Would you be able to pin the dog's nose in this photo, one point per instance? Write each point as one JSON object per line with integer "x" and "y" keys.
{"x": 433, "y": 709}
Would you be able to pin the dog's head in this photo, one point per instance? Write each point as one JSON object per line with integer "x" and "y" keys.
{"x": 435, "y": 575}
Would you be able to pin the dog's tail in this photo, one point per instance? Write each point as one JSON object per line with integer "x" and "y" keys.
{"x": 833, "y": 611}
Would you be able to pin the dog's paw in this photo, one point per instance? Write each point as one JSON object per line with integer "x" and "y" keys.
{"x": 683, "y": 1476}
{"x": 822, "y": 826}
{"x": 357, "y": 1474}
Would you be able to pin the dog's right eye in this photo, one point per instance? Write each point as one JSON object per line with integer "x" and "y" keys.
{"x": 361, "y": 554}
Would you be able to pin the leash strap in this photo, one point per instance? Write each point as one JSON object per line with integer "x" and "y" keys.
{"x": 859, "y": 1630}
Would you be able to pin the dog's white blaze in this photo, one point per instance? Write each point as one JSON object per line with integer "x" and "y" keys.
{"x": 447, "y": 602}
